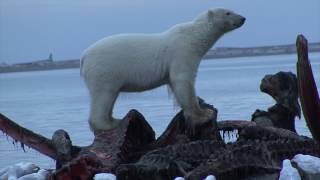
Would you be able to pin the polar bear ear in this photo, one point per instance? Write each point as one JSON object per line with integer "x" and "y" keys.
{"x": 210, "y": 14}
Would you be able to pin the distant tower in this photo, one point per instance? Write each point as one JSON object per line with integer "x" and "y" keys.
{"x": 50, "y": 58}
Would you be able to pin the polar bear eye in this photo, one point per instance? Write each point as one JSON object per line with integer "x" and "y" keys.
{"x": 228, "y": 13}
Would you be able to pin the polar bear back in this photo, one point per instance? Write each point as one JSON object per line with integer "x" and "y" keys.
{"x": 112, "y": 56}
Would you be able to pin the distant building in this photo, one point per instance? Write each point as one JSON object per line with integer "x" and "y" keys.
{"x": 43, "y": 62}
{"x": 50, "y": 58}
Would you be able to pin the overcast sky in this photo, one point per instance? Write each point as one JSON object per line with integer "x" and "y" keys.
{"x": 31, "y": 29}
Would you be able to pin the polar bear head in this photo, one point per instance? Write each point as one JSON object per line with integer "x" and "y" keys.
{"x": 222, "y": 19}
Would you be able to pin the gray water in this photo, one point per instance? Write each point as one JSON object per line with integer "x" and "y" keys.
{"x": 44, "y": 101}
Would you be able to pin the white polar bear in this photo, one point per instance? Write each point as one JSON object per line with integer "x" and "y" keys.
{"x": 139, "y": 62}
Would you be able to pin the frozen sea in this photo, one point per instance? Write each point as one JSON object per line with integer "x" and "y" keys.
{"x": 44, "y": 101}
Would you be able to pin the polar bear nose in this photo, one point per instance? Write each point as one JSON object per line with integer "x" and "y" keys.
{"x": 243, "y": 20}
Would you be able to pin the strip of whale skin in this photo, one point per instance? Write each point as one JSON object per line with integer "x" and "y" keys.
{"x": 27, "y": 137}
{"x": 229, "y": 125}
{"x": 308, "y": 93}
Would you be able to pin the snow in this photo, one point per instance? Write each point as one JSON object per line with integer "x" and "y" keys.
{"x": 179, "y": 178}
{"x": 105, "y": 176}
{"x": 40, "y": 175}
{"x": 288, "y": 172}
{"x": 210, "y": 177}
{"x": 307, "y": 163}
{"x": 20, "y": 169}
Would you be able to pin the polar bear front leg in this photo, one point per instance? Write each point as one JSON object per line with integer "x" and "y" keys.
{"x": 184, "y": 92}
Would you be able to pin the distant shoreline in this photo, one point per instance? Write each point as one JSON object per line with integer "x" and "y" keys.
{"x": 226, "y": 52}
{"x": 216, "y": 53}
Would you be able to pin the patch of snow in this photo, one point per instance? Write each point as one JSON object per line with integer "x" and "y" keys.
{"x": 210, "y": 177}
{"x": 40, "y": 175}
{"x": 18, "y": 170}
{"x": 179, "y": 178}
{"x": 104, "y": 176}
{"x": 288, "y": 172}
{"x": 307, "y": 163}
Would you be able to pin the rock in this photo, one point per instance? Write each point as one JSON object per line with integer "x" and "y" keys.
{"x": 308, "y": 166}
{"x": 288, "y": 172}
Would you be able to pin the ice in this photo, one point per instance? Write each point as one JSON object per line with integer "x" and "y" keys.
{"x": 40, "y": 175}
{"x": 307, "y": 163}
{"x": 179, "y": 178}
{"x": 105, "y": 176}
{"x": 17, "y": 170}
{"x": 210, "y": 177}
{"x": 288, "y": 172}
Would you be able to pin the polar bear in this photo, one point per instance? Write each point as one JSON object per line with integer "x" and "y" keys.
{"x": 139, "y": 62}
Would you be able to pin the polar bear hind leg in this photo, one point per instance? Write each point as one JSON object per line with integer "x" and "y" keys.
{"x": 101, "y": 109}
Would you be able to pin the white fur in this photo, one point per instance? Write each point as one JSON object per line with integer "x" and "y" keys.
{"x": 139, "y": 62}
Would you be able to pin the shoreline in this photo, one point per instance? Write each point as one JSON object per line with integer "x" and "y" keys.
{"x": 216, "y": 53}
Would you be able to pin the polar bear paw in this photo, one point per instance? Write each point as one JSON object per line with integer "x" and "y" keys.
{"x": 100, "y": 126}
{"x": 198, "y": 118}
